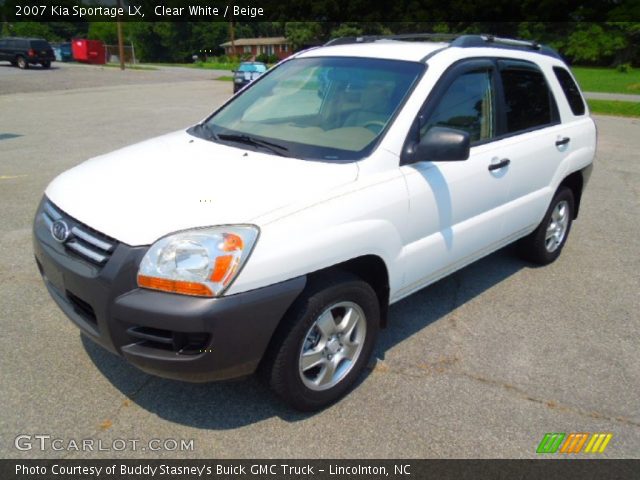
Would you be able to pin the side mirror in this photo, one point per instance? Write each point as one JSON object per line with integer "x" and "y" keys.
{"x": 442, "y": 144}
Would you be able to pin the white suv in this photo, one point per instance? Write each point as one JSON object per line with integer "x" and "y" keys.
{"x": 275, "y": 234}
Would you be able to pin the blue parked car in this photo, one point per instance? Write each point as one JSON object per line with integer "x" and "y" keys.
{"x": 246, "y": 73}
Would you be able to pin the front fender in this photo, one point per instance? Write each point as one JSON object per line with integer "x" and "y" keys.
{"x": 368, "y": 220}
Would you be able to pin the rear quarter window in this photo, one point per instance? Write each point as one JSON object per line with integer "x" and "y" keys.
{"x": 40, "y": 45}
{"x": 571, "y": 90}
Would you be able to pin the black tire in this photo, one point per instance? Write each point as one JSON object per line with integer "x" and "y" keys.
{"x": 46, "y": 64}
{"x": 22, "y": 62}
{"x": 281, "y": 367}
{"x": 535, "y": 247}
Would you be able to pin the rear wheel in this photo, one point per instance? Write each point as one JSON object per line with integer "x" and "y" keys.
{"x": 46, "y": 64}
{"x": 325, "y": 342}
{"x": 22, "y": 63}
{"x": 545, "y": 244}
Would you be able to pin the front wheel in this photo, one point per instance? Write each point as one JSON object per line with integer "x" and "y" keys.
{"x": 545, "y": 243}
{"x": 325, "y": 342}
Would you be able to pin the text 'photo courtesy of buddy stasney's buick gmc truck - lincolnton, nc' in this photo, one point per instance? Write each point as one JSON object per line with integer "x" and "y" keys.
{"x": 272, "y": 236}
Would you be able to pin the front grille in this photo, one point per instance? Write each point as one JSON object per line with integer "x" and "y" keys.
{"x": 83, "y": 241}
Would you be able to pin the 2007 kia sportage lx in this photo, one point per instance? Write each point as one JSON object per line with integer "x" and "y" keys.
{"x": 276, "y": 233}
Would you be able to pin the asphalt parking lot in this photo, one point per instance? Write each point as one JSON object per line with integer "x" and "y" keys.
{"x": 481, "y": 364}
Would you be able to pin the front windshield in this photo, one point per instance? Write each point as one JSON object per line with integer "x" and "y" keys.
{"x": 325, "y": 108}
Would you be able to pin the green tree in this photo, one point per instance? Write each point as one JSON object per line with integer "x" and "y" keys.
{"x": 105, "y": 31}
{"x": 302, "y": 34}
{"x": 33, "y": 29}
{"x": 351, "y": 29}
{"x": 594, "y": 43}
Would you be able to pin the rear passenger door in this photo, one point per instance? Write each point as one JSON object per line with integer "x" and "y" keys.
{"x": 534, "y": 141}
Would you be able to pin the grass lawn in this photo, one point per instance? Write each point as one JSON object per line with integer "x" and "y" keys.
{"x": 607, "y": 80}
{"x": 225, "y": 79}
{"x": 614, "y": 107}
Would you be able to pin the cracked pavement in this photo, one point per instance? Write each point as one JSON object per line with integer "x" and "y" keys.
{"x": 480, "y": 364}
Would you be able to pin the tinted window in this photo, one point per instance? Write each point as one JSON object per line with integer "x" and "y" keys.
{"x": 3, "y": 43}
{"x": 40, "y": 45}
{"x": 468, "y": 104}
{"x": 571, "y": 90}
{"x": 529, "y": 103}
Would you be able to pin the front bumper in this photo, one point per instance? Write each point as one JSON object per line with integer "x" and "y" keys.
{"x": 174, "y": 336}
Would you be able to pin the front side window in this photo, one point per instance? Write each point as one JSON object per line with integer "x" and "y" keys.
{"x": 528, "y": 101}
{"x": 468, "y": 104}
{"x": 324, "y": 108}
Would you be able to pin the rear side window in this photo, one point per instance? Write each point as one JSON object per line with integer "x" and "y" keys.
{"x": 528, "y": 100}
{"x": 571, "y": 90}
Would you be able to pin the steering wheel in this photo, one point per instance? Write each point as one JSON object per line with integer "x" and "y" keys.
{"x": 376, "y": 124}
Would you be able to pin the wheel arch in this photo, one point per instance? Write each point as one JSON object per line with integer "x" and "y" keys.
{"x": 575, "y": 182}
{"x": 373, "y": 270}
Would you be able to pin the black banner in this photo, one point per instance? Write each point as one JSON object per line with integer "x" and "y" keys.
{"x": 411, "y": 11}
{"x": 547, "y": 469}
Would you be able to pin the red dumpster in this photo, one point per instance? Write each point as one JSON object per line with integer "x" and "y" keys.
{"x": 88, "y": 51}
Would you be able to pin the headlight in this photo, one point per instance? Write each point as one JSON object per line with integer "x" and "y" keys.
{"x": 201, "y": 262}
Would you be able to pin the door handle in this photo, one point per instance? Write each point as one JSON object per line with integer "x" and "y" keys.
{"x": 498, "y": 165}
{"x": 562, "y": 141}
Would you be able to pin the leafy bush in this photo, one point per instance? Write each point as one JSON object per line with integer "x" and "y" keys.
{"x": 263, "y": 57}
{"x": 624, "y": 68}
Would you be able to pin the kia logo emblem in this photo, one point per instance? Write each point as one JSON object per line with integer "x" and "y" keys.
{"x": 60, "y": 231}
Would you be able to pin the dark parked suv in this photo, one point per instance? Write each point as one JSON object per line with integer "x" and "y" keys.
{"x": 22, "y": 52}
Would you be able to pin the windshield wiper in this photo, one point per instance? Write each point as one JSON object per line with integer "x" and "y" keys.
{"x": 256, "y": 142}
{"x": 203, "y": 131}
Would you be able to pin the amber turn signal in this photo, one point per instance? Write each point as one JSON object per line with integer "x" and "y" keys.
{"x": 174, "y": 286}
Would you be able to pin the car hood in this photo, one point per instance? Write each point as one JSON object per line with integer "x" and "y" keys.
{"x": 176, "y": 182}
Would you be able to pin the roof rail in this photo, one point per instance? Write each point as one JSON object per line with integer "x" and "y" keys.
{"x": 485, "y": 40}
{"x": 402, "y": 36}
{"x": 462, "y": 41}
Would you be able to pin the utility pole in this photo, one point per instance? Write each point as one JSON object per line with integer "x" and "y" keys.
{"x": 232, "y": 34}
{"x": 120, "y": 40}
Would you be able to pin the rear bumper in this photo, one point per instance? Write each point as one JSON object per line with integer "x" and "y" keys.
{"x": 174, "y": 336}
{"x": 40, "y": 59}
